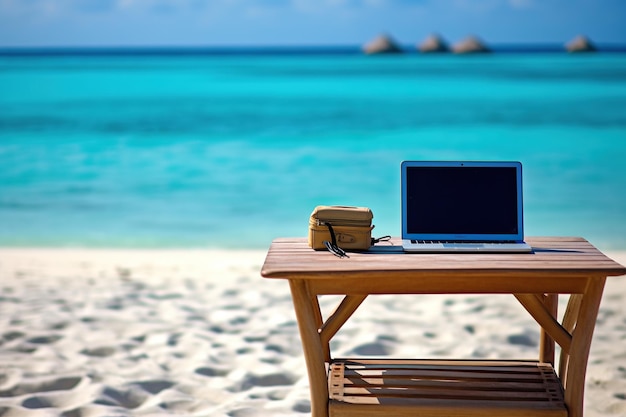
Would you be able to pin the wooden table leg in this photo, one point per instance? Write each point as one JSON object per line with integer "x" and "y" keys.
{"x": 546, "y": 343}
{"x": 574, "y": 378}
{"x": 569, "y": 322}
{"x": 306, "y": 315}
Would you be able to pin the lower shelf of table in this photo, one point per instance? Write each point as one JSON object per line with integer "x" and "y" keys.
{"x": 436, "y": 388}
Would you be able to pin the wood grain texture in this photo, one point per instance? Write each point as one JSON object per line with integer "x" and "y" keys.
{"x": 564, "y": 257}
{"x": 437, "y": 388}
{"x": 449, "y": 388}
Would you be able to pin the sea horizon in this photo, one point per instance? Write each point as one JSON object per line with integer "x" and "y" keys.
{"x": 276, "y": 49}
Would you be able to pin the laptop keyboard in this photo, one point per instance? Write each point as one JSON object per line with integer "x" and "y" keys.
{"x": 463, "y": 241}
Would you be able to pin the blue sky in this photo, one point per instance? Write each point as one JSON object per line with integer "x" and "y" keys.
{"x": 303, "y": 22}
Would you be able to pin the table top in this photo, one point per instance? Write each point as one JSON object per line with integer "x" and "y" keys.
{"x": 568, "y": 257}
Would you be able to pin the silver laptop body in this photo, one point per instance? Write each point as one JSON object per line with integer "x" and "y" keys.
{"x": 459, "y": 206}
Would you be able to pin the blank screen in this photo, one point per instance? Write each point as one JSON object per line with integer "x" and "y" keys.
{"x": 461, "y": 200}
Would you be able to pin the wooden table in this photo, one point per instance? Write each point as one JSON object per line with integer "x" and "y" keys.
{"x": 371, "y": 387}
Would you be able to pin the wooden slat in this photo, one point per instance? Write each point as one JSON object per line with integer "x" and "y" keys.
{"x": 399, "y": 407}
{"x": 530, "y": 385}
{"x": 444, "y": 388}
{"x": 519, "y": 393}
{"x": 445, "y": 373}
{"x": 372, "y": 363}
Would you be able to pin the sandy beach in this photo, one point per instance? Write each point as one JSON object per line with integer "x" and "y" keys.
{"x": 93, "y": 332}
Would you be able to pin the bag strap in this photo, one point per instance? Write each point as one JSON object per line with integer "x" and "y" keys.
{"x": 381, "y": 239}
{"x": 332, "y": 246}
{"x": 336, "y": 250}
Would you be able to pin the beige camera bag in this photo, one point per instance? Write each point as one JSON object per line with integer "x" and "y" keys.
{"x": 352, "y": 227}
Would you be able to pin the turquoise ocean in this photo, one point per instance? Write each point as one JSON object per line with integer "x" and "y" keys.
{"x": 231, "y": 149}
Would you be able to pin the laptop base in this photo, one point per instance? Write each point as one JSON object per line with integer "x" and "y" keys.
{"x": 518, "y": 247}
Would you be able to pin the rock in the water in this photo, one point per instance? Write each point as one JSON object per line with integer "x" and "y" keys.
{"x": 382, "y": 44}
{"x": 580, "y": 44}
{"x": 470, "y": 45}
{"x": 433, "y": 44}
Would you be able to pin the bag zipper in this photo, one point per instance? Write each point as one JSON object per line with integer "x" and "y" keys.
{"x": 342, "y": 222}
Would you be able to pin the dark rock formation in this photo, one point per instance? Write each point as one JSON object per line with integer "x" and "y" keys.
{"x": 382, "y": 44}
{"x": 580, "y": 44}
{"x": 470, "y": 45}
{"x": 432, "y": 44}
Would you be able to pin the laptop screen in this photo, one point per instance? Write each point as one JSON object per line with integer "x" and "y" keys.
{"x": 462, "y": 201}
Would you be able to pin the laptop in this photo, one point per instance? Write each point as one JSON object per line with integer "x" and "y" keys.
{"x": 462, "y": 207}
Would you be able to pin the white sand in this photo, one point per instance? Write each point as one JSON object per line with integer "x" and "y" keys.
{"x": 194, "y": 332}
